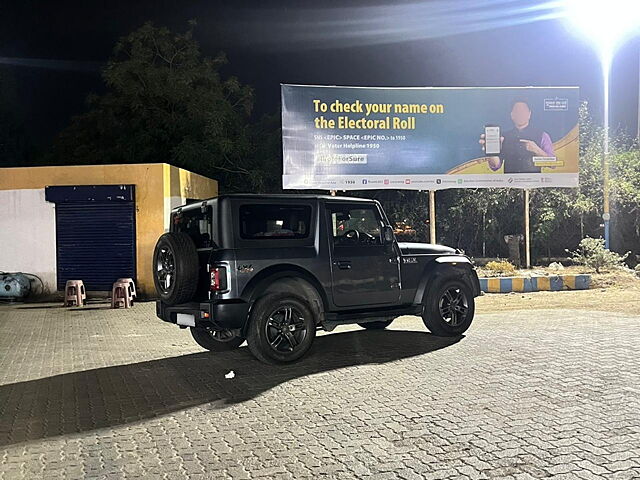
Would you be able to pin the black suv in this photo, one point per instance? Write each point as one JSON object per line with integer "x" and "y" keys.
{"x": 272, "y": 269}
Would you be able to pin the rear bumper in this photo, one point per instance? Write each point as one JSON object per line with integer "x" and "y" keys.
{"x": 229, "y": 315}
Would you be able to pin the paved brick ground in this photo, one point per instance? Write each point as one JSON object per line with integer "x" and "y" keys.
{"x": 95, "y": 393}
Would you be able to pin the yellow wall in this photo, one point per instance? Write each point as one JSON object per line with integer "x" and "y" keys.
{"x": 185, "y": 184}
{"x": 154, "y": 183}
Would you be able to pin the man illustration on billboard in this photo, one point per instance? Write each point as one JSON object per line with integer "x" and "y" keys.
{"x": 521, "y": 144}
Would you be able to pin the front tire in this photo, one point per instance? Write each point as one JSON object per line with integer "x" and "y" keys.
{"x": 281, "y": 328}
{"x": 216, "y": 341}
{"x": 449, "y": 308}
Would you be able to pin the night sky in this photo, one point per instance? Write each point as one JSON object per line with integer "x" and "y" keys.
{"x": 432, "y": 43}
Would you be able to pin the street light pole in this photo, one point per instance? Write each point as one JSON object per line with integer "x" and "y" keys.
{"x": 638, "y": 133}
{"x": 607, "y": 24}
{"x": 606, "y": 216}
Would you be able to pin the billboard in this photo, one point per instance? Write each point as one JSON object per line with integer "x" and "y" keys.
{"x": 355, "y": 138}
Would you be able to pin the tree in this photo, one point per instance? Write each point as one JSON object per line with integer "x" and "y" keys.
{"x": 14, "y": 147}
{"x": 625, "y": 183}
{"x": 624, "y": 170}
{"x": 165, "y": 102}
{"x": 265, "y": 158}
{"x": 476, "y": 220}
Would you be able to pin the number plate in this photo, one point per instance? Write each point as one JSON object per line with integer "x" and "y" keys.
{"x": 186, "y": 319}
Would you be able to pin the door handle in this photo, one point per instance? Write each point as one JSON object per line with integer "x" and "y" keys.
{"x": 344, "y": 264}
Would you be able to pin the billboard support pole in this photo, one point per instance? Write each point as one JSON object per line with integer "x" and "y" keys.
{"x": 527, "y": 240}
{"x": 432, "y": 216}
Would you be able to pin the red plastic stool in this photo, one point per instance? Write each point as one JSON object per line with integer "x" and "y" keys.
{"x": 132, "y": 286}
{"x": 121, "y": 295}
{"x": 74, "y": 294}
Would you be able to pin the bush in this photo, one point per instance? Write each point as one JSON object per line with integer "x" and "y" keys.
{"x": 502, "y": 266}
{"x": 592, "y": 254}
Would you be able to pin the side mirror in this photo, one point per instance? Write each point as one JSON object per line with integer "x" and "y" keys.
{"x": 387, "y": 235}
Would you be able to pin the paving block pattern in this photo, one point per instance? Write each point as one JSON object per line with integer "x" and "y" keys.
{"x": 97, "y": 393}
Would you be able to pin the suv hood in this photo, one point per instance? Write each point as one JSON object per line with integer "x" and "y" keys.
{"x": 409, "y": 248}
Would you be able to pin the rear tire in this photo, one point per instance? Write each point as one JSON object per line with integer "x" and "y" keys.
{"x": 281, "y": 328}
{"x": 449, "y": 308}
{"x": 379, "y": 325}
{"x": 175, "y": 268}
{"x": 215, "y": 341}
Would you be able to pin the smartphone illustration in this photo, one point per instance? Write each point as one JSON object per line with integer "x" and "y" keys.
{"x": 492, "y": 139}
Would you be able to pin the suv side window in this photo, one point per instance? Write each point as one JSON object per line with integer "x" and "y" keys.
{"x": 268, "y": 221}
{"x": 355, "y": 225}
{"x": 197, "y": 224}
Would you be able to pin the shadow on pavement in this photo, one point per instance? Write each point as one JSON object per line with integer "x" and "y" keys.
{"x": 80, "y": 401}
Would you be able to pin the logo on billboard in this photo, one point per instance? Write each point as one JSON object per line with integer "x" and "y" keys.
{"x": 438, "y": 181}
{"x": 364, "y": 181}
{"x": 556, "y": 104}
{"x": 386, "y": 181}
{"x": 407, "y": 181}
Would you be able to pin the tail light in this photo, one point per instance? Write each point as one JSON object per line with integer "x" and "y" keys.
{"x": 218, "y": 279}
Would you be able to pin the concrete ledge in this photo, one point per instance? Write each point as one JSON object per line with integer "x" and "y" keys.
{"x": 535, "y": 284}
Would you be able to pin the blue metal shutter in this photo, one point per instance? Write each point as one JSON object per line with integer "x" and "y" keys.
{"x": 95, "y": 242}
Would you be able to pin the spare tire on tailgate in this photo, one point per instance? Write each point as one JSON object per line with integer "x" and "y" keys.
{"x": 175, "y": 268}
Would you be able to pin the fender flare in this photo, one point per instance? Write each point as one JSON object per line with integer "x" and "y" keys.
{"x": 446, "y": 266}
{"x": 269, "y": 276}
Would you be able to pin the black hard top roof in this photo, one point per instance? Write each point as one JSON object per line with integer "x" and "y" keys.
{"x": 271, "y": 196}
{"x": 292, "y": 196}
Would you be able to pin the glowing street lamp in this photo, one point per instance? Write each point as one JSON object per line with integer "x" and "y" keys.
{"x": 607, "y": 25}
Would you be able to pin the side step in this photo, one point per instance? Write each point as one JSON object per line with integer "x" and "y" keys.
{"x": 332, "y": 320}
